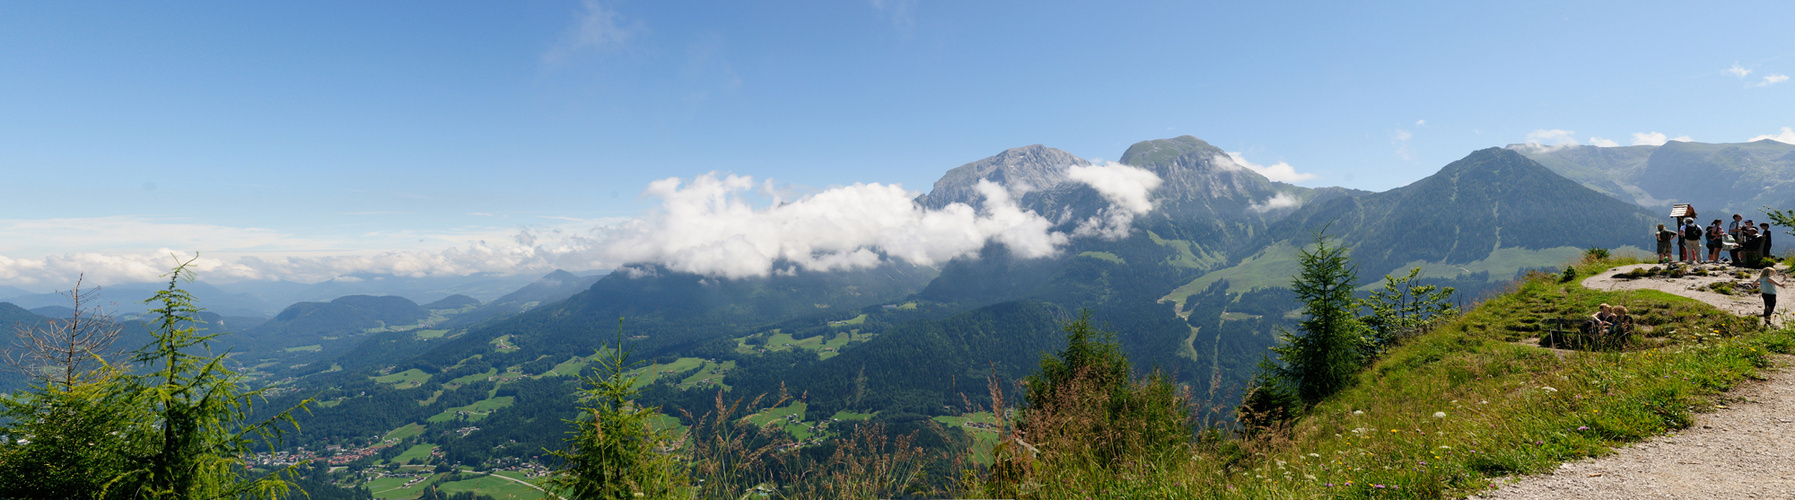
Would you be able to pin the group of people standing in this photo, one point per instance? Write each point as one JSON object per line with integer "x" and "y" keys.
{"x": 1742, "y": 240}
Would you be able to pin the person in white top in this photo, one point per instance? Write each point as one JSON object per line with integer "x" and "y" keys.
{"x": 1767, "y": 284}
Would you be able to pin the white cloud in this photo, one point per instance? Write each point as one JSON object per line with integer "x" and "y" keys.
{"x": 1403, "y": 150}
{"x": 706, "y": 225}
{"x": 1281, "y": 200}
{"x": 1602, "y": 143}
{"x": 1655, "y": 138}
{"x": 1280, "y": 171}
{"x": 1787, "y": 136}
{"x": 1544, "y": 140}
{"x": 1420, "y": 123}
{"x": 1738, "y": 71}
{"x": 598, "y": 29}
{"x": 1771, "y": 80}
{"x": 1126, "y": 188}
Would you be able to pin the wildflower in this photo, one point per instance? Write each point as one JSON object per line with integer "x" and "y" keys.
{"x": 1583, "y": 427}
{"x": 1548, "y": 389}
{"x": 1378, "y": 486}
{"x": 1439, "y": 414}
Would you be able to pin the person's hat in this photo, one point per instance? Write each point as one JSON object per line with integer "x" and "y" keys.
{"x": 1688, "y": 220}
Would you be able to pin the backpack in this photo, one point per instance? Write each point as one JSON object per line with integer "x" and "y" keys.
{"x": 1692, "y": 232}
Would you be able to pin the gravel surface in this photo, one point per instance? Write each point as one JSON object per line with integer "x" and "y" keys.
{"x": 1695, "y": 287}
{"x": 1744, "y": 450}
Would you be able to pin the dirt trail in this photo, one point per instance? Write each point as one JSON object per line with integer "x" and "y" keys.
{"x": 1746, "y": 449}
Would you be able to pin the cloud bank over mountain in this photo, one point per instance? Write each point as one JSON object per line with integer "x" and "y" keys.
{"x": 706, "y": 225}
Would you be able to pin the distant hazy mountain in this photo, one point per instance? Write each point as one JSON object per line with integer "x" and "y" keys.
{"x": 1719, "y": 179}
{"x": 670, "y": 310}
{"x": 1492, "y": 199}
{"x": 278, "y": 294}
{"x": 553, "y": 287}
{"x": 7, "y": 292}
{"x": 456, "y": 301}
{"x": 126, "y": 299}
{"x": 305, "y": 322}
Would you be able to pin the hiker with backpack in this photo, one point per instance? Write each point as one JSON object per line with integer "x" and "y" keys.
{"x": 1692, "y": 240}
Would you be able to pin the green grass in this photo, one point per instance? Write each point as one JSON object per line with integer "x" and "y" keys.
{"x": 845, "y": 415}
{"x": 430, "y": 333}
{"x": 1271, "y": 267}
{"x": 712, "y": 371}
{"x": 777, "y": 416}
{"x": 861, "y": 319}
{"x": 779, "y": 342}
{"x": 650, "y": 373}
{"x": 983, "y": 437}
{"x": 478, "y": 410}
{"x": 498, "y": 488}
{"x": 388, "y": 487}
{"x": 567, "y": 368}
{"x": 503, "y": 344}
{"x": 416, "y": 453}
{"x": 306, "y": 348}
{"x": 1104, "y": 256}
{"x": 467, "y": 379}
{"x": 404, "y": 380}
{"x": 1187, "y": 254}
{"x": 406, "y": 431}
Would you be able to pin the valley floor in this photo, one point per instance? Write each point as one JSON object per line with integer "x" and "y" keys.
{"x": 1745, "y": 449}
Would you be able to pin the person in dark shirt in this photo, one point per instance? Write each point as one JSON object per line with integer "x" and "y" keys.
{"x": 1764, "y": 240}
{"x": 1715, "y": 235}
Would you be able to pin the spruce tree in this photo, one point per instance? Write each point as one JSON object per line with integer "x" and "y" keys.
{"x": 192, "y": 436}
{"x": 1328, "y": 348}
{"x": 615, "y": 451}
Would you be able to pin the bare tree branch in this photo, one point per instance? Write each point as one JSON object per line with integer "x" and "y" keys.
{"x": 65, "y": 351}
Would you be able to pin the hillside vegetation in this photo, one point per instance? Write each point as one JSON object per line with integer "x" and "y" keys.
{"x": 1447, "y": 411}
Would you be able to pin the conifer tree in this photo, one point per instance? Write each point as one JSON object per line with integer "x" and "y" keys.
{"x": 1086, "y": 397}
{"x": 1328, "y": 348}
{"x": 192, "y": 437}
{"x": 615, "y": 451}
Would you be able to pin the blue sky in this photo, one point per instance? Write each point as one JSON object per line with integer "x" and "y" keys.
{"x": 353, "y": 130}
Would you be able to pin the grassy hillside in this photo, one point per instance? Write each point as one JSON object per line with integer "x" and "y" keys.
{"x": 1472, "y": 400}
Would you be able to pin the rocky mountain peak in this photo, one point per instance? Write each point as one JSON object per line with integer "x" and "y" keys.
{"x": 1020, "y": 170}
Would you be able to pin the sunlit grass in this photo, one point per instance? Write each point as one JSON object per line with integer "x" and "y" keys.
{"x": 1448, "y": 411}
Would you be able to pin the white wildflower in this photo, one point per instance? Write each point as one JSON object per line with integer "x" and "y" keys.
{"x": 1439, "y": 414}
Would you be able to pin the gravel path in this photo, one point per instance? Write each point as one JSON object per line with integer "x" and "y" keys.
{"x": 1746, "y": 449}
